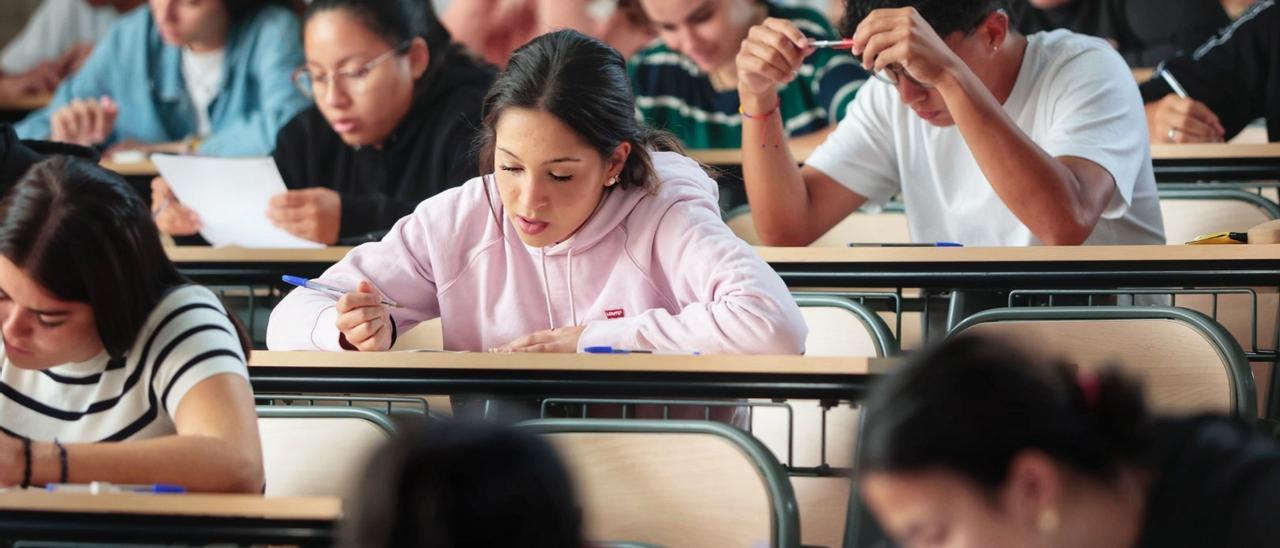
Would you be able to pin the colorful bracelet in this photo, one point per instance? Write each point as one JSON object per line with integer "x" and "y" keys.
{"x": 764, "y": 116}
{"x": 62, "y": 460}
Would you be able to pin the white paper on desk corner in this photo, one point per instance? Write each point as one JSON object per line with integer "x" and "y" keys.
{"x": 231, "y": 195}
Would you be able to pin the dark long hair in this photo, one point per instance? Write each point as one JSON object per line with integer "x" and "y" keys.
{"x": 83, "y": 233}
{"x": 582, "y": 82}
{"x": 463, "y": 485}
{"x": 972, "y": 404}
{"x": 945, "y": 16}
{"x": 396, "y": 22}
{"x": 239, "y": 10}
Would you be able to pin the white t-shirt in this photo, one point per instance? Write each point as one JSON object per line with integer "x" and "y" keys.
{"x": 202, "y": 73}
{"x": 1074, "y": 96}
{"x": 52, "y": 30}
{"x": 186, "y": 339}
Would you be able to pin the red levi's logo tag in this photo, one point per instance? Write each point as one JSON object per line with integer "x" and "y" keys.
{"x": 614, "y": 313}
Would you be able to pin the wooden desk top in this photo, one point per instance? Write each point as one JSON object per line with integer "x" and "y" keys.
{"x": 819, "y": 255}
{"x": 1159, "y": 152}
{"x": 1041, "y": 254}
{"x": 733, "y": 156}
{"x": 793, "y": 365}
{"x": 1215, "y": 151}
{"x": 204, "y": 254}
{"x": 134, "y": 169}
{"x": 206, "y": 505}
{"x": 26, "y": 103}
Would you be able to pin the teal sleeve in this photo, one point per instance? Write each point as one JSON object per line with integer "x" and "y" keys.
{"x": 277, "y": 52}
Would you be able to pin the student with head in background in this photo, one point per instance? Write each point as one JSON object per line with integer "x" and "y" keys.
{"x": 591, "y": 230}
{"x": 1145, "y": 32}
{"x": 493, "y": 29}
{"x": 206, "y": 76}
{"x": 54, "y": 43}
{"x": 687, "y": 83}
{"x": 115, "y": 367}
{"x": 976, "y": 443}
{"x": 396, "y": 111}
{"x": 991, "y": 138}
{"x": 466, "y": 484}
{"x": 1230, "y": 80}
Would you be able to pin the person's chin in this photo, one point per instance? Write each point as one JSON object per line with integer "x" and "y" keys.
{"x": 937, "y": 118}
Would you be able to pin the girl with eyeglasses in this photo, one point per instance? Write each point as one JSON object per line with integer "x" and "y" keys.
{"x": 206, "y": 76}
{"x": 396, "y": 107}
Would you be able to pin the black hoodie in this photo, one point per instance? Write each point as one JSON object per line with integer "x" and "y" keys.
{"x": 430, "y": 151}
{"x": 1144, "y": 31}
{"x": 17, "y": 156}
{"x": 1236, "y": 74}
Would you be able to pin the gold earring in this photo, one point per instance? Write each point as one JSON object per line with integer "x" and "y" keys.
{"x": 1048, "y": 521}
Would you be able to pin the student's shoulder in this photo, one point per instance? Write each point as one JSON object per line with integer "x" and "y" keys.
{"x": 1062, "y": 46}
{"x": 275, "y": 23}
{"x": 182, "y": 308}
{"x": 1069, "y": 60}
{"x": 682, "y": 183}
{"x": 136, "y": 25}
{"x": 459, "y": 212}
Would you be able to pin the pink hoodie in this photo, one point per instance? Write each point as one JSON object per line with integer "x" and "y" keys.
{"x": 656, "y": 271}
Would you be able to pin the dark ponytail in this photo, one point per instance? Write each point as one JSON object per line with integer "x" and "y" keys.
{"x": 583, "y": 82}
{"x": 971, "y": 404}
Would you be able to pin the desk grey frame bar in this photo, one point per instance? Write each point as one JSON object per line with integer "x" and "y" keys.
{"x": 129, "y": 528}
{"x": 533, "y": 383}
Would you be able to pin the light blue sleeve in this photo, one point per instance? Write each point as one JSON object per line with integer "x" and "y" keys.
{"x": 94, "y": 79}
{"x": 276, "y": 53}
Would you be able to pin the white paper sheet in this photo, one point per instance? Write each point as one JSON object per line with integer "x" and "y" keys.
{"x": 231, "y": 196}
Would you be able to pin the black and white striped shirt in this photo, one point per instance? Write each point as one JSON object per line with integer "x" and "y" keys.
{"x": 186, "y": 339}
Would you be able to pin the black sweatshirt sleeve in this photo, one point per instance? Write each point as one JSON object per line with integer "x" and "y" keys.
{"x": 1235, "y": 73}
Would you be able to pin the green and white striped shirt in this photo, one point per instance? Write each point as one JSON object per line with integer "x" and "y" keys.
{"x": 672, "y": 93}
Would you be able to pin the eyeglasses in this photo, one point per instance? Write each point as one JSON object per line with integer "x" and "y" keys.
{"x": 891, "y": 74}
{"x": 354, "y": 80}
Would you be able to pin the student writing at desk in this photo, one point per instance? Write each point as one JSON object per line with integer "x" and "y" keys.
{"x": 686, "y": 83}
{"x": 115, "y": 367}
{"x": 178, "y": 76}
{"x": 991, "y": 138}
{"x": 593, "y": 231}
{"x": 54, "y": 43}
{"x": 1230, "y": 81}
{"x": 394, "y": 123}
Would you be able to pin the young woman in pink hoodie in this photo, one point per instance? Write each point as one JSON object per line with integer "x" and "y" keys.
{"x": 590, "y": 230}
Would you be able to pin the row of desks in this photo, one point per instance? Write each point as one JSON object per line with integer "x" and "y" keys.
{"x": 1172, "y": 162}
{"x": 1062, "y": 267}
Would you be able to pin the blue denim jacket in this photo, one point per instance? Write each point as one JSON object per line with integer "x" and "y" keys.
{"x": 134, "y": 66}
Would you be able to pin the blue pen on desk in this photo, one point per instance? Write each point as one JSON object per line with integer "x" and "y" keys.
{"x": 101, "y": 487}
{"x": 612, "y": 350}
{"x": 335, "y": 292}
{"x": 921, "y": 244}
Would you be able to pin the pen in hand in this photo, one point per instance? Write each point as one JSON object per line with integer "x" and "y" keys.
{"x": 335, "y": 292}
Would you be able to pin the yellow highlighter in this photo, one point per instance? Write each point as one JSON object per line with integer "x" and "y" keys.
{"x": 1221, "y": 238}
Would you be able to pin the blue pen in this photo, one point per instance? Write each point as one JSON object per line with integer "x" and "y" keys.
{"x": 335, "y": 292}
{"x": 612, "y": 350}
{"x": 922, "y": 244}
{"x": 99, "y": 487}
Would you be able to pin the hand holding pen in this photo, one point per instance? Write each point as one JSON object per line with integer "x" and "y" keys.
{"x": 1177, "y": 118}
{"x": 364, "y": 315}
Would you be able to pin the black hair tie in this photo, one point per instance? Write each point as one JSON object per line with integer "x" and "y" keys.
{"x": 26, "y": 470}
{"x": 62, "y": 460}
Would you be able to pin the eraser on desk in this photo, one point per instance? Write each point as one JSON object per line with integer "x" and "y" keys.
{"x": 129, "y": 157}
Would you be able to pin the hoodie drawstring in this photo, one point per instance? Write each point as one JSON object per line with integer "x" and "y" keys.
{"x": 546, "y": 290}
